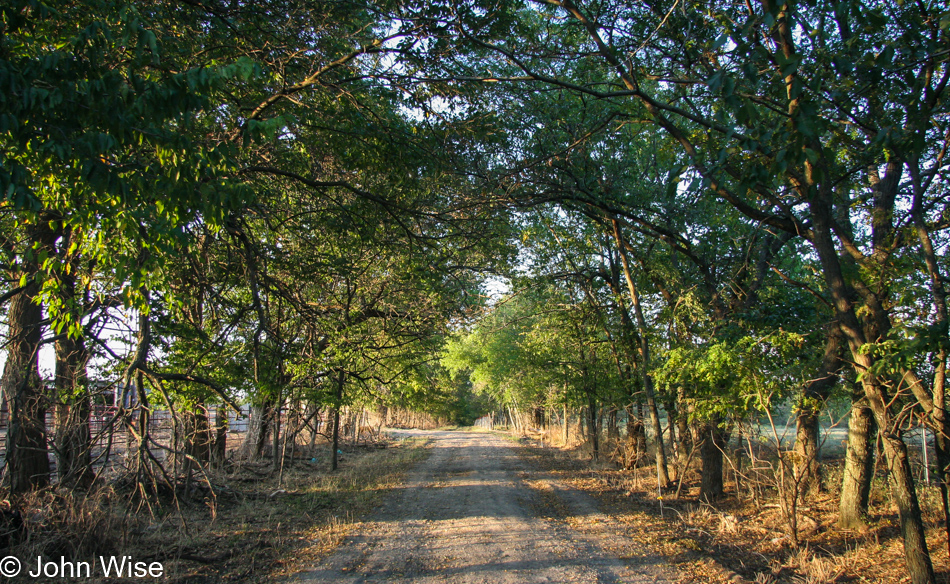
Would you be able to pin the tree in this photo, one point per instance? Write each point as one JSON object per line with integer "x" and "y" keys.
{"x": 779, "y": 110}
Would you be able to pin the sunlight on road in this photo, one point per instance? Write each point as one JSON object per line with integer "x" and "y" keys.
{"x": 464, "y": 516}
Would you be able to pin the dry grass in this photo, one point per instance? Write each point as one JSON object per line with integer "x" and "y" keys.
{"x": 247, "y": 528}
{"x": 69, "y": 524}
{"x": 743, "y": 540}
{"x": 814, "y": 568}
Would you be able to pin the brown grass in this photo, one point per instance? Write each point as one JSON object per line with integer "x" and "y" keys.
{"x": 69, "y": 524}
{"x": 247, "y": 528}
{"x": 739, "y": 541}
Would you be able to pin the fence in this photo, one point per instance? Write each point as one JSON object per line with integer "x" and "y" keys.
{"x": 113, "y": 431}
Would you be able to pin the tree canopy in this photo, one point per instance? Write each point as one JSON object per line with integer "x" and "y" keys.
{"x": 697, "y": 211}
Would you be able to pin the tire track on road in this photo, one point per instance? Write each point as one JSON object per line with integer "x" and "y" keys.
{"x": 466, "y": 516}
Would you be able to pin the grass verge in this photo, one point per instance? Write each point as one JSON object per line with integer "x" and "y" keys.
{"x": 742, "y": 540}
{"x": 254, "y": 527}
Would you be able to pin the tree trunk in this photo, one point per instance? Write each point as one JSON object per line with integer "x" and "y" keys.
{"x": 593, "y": 432}
{"x": 27, "y": 458}
{"x": 73, "y": 440}
{"x": 613, "y": 432}
{"x": 807, "y": 466}
{"x": 942, "y": 455}
{"x": 27, "y": 454}
{"x": 278, "y": 455}
{"x": 905, "y": 497}
{"x": 712, "y": 443}
{"x": 185, "y": 442}
{"x": 662, "y": 472}
{"x": 685, "y": 445}
{"x": 938, "y": 415}
{"x": 632, "y": 421}
{"x": 672, "y": 430}
{"x": 858, "y": 467}
{"x": 258, "y": 431}
{"x": 662, "y": 469}
{"x": 197, "y": 442}
{"x": 642, "y": 448}
{"x": 636, "y": 438}
{"x": 903, "y": 489}
{"x": 334, "y": 461}
{"x": 219, "y": 447}
{"x": 567, "y": 422}
{"x": 810, "y": 404}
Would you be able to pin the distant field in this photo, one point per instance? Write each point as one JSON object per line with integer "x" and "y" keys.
{"x": 833, "y": 439}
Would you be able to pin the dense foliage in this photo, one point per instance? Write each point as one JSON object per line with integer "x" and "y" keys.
{"x": 700, "y": 213}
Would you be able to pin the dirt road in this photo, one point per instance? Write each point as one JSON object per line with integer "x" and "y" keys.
{"x": 473, "y": 513}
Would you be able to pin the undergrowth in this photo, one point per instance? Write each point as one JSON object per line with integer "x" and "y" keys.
{"x": 742, "y": 539}
{"x": 247, "y": 524}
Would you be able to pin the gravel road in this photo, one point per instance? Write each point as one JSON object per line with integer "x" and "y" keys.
{"x": 472, "y": 512}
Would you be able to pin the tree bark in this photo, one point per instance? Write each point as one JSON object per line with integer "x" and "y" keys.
{"x": 199, "y": 440}
{"x": 613, "y": 432}
{"x": 810, "y": 404}
{"x": 593, "y": 431}
{"x": 567, "y": 423}
{"x": 258, "y": 431}
{"x": 334, "y": 462}
{"x": 662, "y": 471}
{"x": 903, "y": 491}
{"x": 938, "y": 415}
{"x": 858, "y": 467}
{"x": 219, "y": 446}
{"x": 685, "y": 444}
{"x": 27, "y": 458}
{"x": 636, "y": 438}
{"x": 27, "y": 454}
{"x": 275, "y": 433}
{"x": 72, "y": 409}
{"x": 73, "y": 439}
{"x": 711, "y": 446}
